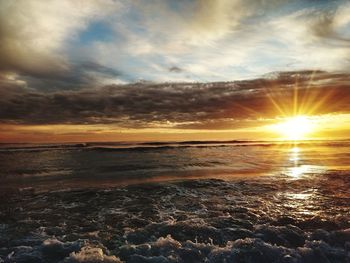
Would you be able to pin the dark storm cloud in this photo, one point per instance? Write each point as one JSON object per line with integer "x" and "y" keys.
{"x": 185, "y": 105}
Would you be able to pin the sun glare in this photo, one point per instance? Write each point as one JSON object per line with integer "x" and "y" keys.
{"x": 295, "y": 128}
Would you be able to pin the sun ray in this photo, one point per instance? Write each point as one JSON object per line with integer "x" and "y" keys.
{"x": 295, "y": 97}
{"x": 297, "y": 108}
{"x": 304, "y": 99}
{"x": 275, "y": 104}
{"x": 322, "y": 99}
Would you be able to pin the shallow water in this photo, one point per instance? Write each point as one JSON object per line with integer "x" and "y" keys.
{"x": 267, "y": 203}
{"x": 54, "y": 167}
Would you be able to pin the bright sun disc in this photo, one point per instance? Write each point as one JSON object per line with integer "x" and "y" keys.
{"x": 295, "y": 128}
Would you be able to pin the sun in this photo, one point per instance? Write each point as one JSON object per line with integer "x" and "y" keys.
{"x": 294, "y": 128}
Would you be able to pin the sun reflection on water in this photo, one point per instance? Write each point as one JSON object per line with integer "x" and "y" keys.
{"x": 294, "y": 154}
{"x": 299, "y": 196}
{"x": 296, "y": 167}
{"x": 297, "y": 171}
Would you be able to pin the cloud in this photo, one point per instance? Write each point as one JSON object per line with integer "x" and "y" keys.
{"x": 226, "y": 40}
{"x": 34, "y": 34}
{"x": 49, "y": 45}
{"x": 329, "y": 25}
{"x": 181, "y": 105}
{"x": 175, "y": 69}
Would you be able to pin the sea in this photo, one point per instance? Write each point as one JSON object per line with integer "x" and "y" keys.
{"x": 193, "y": 201}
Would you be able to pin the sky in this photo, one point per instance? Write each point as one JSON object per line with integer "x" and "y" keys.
{"x": 109, "y": 70}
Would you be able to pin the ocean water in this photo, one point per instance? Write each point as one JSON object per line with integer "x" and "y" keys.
{"x": 237, "y": 201}
{"x": 54, "y": 166}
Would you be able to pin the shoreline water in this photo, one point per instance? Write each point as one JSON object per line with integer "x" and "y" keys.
{"x": 208, "y": 220}
{"x": 271, "y": 204}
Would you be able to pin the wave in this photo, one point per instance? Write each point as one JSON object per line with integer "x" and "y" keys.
{"x": 186, "y": 221}
{"x": 152, "y": 146}
{"x": 41, "y": 147}
{"x": 145, "y": 146}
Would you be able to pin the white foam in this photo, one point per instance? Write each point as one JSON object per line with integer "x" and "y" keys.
{"x": 89, "y": 254}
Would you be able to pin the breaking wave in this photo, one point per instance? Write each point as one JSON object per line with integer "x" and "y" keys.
{"x": 253, "y": 221}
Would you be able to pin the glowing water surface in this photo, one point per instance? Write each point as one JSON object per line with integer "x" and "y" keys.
{"x": 278, "y": 202}
{"x": 100, "y": 165}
